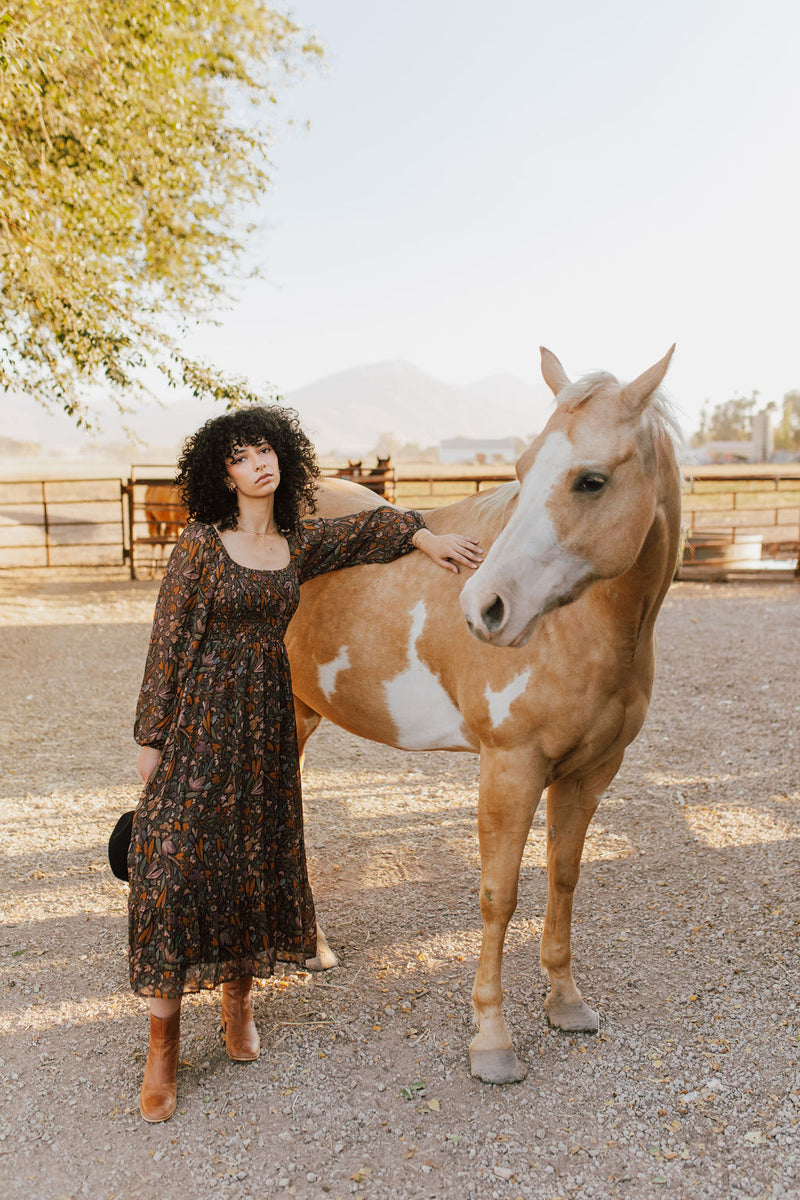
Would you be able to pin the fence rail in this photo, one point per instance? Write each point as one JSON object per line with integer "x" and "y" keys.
{"x": 434, "y": 491}
{"x": 742, "y": 521}
{"x": 733, "y": 520}
{"x": 61, "y": 523}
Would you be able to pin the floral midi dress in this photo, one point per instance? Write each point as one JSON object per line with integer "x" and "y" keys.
{"x": 218, "y": 879}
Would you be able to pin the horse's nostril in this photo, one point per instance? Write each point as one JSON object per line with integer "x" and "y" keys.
{"x": 494, "y": 615}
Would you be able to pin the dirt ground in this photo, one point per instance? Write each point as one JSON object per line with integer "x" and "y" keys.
{"x": 685, "y": 937}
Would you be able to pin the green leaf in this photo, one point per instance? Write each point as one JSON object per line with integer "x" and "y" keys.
{"x": 133, "y": 144}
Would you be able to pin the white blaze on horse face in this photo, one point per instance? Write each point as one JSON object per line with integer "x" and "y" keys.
{"x": 500, "y": 702}
{"x": 327, "y": 672}
{"x": 424, "y": 715}
{"x": 526, "y": 572}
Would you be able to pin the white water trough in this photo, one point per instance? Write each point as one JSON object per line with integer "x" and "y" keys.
{"x": 722, "y": 548}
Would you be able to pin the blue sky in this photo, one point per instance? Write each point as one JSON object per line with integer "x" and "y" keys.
{"x": 601, "y": 177}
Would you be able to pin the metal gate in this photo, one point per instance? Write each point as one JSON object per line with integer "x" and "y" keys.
{"x": 62, "y": 523}
{"x": 154, "y": 517}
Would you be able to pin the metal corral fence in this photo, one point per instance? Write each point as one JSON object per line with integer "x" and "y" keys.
{"x": 434, "y": 491}
{"x": 62, "y": 523}
{"x": 102, "y": 522}
{"x": 736, "y": 520}
{"x": 741, "y": 520}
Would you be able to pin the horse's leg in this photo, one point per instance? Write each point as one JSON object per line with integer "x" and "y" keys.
{"x": 571, "y": 804}
{"x": 307, "y": 721}
{"x": 509, "y": 793}
{"x": 325, "y": 958}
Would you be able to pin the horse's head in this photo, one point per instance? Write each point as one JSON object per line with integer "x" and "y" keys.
{"x": 587, "y": 498}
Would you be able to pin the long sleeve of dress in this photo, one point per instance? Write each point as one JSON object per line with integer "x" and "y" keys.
{"x": 178, "y": 627}
{"x": 377, "y": 536}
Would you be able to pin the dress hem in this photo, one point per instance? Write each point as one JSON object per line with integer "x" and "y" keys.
{"x": 209, "y": 980}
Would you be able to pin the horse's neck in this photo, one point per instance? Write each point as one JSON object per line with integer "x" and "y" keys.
{"x": 483, "y": 515}
{"x": 637, "y": 595}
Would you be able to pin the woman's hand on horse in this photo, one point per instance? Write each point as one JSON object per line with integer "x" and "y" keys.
{"x": 148, "y": 760}
{"x": 449, "y": 549}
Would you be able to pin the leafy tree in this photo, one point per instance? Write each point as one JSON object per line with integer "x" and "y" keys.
{"x": 700, "y": 436}
{"x": 787, "y": 435}
{"x": 730, "y": 421}
{"x": 132, "y": 139}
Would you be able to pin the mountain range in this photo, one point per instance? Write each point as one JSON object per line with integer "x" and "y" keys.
{"x": 345, "y": 414}
{"x": 348, "y": 412}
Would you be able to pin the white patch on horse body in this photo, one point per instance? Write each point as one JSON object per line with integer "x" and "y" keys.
{"x": 500, "y": 702}
{"x": 327, "y": 672}
{"x": 424, "y": 715}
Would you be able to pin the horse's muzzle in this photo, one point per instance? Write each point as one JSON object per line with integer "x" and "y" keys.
{"x": 488, "y": 621}
{"x": 493, "y": 616}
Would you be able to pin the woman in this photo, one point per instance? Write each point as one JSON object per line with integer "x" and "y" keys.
{"x": 218, "y": 882}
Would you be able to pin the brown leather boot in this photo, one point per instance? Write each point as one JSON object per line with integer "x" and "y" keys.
{"x": 238, "y": 1026}
{"x": 159, "y": 1093}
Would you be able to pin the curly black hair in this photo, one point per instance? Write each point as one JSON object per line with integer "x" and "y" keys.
{"x": 202, "y": 475}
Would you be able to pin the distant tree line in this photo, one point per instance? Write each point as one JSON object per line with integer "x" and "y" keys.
{"x": 732, "y": 421}
{"x": 11, "y": 448}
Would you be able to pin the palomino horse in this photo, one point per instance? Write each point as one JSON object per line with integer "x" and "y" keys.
{"x": 581, "y": 552}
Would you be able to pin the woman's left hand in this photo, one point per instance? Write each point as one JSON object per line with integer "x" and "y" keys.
{"x": 148, "y": 760}
{"x": 449, "y": 549}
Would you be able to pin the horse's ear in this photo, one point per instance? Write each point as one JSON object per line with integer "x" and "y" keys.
{"x": 554, "y": 374}
{"x": 635, "y": 395}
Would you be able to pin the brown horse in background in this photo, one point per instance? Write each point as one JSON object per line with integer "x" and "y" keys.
{"x": 379, "y": 479}
{"x": 542, "y": 661}
{"x": 164, "y": 511}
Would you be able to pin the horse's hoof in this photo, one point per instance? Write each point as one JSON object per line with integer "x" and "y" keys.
{"x": 572, "y": 1018}
{"x": 496, "y": 1066}
{"x": 324, "y": 960}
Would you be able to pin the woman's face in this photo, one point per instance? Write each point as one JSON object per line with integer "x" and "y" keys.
{"x": 254, "y": 470}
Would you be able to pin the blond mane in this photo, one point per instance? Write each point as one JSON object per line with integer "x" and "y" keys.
{"x": 494, "y": 503}
{"x": 661, "y": 407}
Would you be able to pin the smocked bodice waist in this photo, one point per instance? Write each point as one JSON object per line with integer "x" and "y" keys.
{"x": 252, "y": 627}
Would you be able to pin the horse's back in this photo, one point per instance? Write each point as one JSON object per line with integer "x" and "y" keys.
{"x": 337, "y": 497}
{"x": 366, "y": 643}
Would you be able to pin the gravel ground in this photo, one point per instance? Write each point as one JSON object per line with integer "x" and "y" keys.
{"x": 686, "y": 938}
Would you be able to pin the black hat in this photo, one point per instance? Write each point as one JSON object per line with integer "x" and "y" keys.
{"x": 118, "y": 845}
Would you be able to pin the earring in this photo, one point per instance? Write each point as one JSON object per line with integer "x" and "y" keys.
{"x": 230, "y": 485}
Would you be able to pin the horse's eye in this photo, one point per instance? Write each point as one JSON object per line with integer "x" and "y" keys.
{"x": 590, "y": 483}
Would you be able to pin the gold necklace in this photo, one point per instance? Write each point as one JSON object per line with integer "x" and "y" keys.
{"x": 266, "y": 533}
